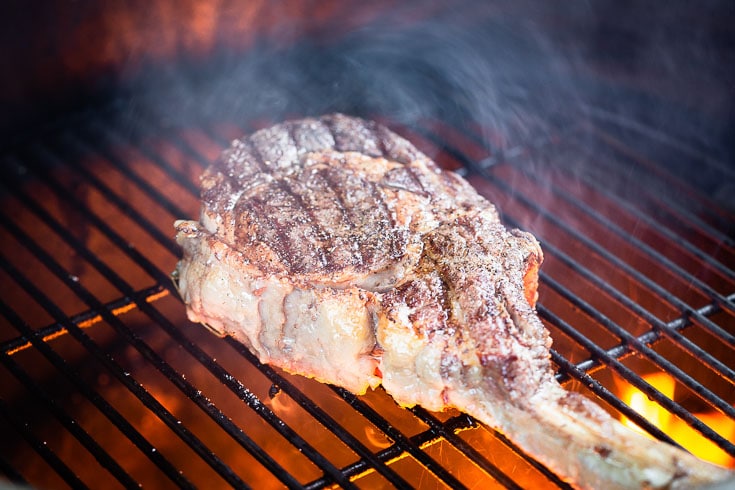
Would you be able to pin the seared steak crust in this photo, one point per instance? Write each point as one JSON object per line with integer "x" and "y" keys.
{"x": 303, "y": 195}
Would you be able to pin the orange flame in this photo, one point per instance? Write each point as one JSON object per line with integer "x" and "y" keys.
{"x": 677, "y": 429}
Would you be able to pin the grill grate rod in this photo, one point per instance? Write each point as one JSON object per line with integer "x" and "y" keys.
{"x": 85, "y": 319}
{"x": 40, "y": 447}
{"x": 663, "y": 200}
{"x": 46, "y": 161}
{"x": 604, "y": 130}
{"x": 660, "y": 361}
{"x": 11, "y": 474}
{"x": 46, "y": 155}
{"x": 113, "y": 135}
{"x": 448, "y": 432}
{"x": 654, "y": 224}
{"x": 652, "y": 133}
{"x": 568, "y": 370}
{"x": 394, "y": 452}
{"x": 667, "y": 329}
{"x": 658, "y": 201}
{"x": 105, "y": 460}
{"x": 147, "y": 127}
{"x": 398, "y": 437}
{"x": 640, "y": 245}
{"x": 659, "y": 328}
{"x": 83, "y": 148}
{"x": 633, "y": 378}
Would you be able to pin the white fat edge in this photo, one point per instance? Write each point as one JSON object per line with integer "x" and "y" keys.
{"x": 210, "y": 224}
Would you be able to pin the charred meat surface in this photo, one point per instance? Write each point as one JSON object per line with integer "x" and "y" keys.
{"x": 334, "y": 249}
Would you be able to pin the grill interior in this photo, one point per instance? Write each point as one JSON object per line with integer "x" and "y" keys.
{"x": 105, "y": 379}
{"x": 105, "y": 382}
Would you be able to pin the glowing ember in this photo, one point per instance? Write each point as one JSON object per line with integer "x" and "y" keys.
{"x": 677, "y": 429}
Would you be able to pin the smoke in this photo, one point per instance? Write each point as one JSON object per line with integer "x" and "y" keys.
{"x": 518, "y": 70}
{"x": 464, "y": 65}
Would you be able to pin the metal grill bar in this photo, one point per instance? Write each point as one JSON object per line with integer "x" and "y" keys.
{"x": 10, "y": 472}
{"x": 627, "y": 337}
{"x": 672, "y": 236}
{"x": 665, "y": 202}
{"x": 451, "y": 436}
{"x": 645, "y": 387}
{"x": 608, "y": 224}
{"x": 393, "y": 453}
{"x": 84, "y": 320}
{"x": 721, "y": 300}
{"x": 122, "y": 164}
{"x": 41, "y": 448}
{"x": 115, "y": 139}
{"x": 124, "y": 206}
{"x": 621, "y": 351}
{"x": 69, "y": 423}
{"x": 399, "y": 438}
{"x": 603, "y": 115}
{"x": 659, "y": 327}
{"x": 569, "y": 370}
{"x": 323, "y": 418}
{"x": 640, "y": 245}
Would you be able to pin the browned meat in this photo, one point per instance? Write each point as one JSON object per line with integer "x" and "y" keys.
{"x": 333, "y": 248}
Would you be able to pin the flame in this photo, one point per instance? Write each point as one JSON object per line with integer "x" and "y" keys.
{"x": 677, "y": 429}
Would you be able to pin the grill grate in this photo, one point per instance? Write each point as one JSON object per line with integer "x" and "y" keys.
{"x": 634, "y": 283}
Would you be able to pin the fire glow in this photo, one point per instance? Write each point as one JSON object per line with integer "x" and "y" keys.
{"x": 677, "y": 429}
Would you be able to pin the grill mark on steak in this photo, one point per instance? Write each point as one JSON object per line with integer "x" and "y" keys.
{"x": 357, "y": 244}
{"x": 284, "y": 225}
{"x": 366, "y": 210}
{"x": 315, "y": 236}
{"x": 327, "y": 209}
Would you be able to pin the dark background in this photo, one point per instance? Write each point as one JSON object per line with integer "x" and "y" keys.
{"x": 516, "y": 66}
